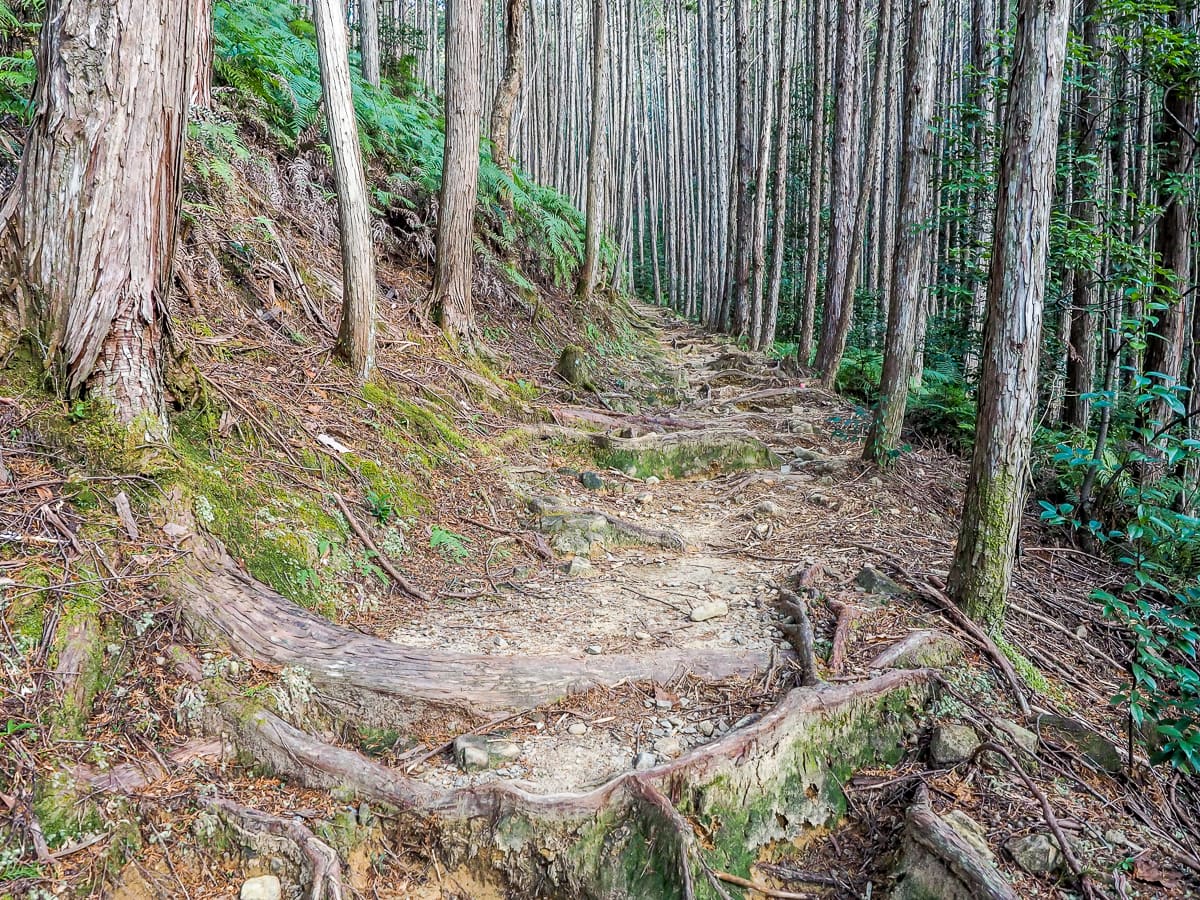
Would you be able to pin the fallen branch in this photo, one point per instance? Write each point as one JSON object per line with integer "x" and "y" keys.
{"x": 292, "y": 838}
{"x": 384, "y": 563}
{"x": 761, "y": 888}
{"x": 1085, "y": 883}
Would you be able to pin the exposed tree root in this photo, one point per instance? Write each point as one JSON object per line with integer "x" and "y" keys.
{"x": 676, "y": 454}
{"x": 276, "y": 836}
{"x": 384, "y": 563}
{"x": 580, "y": 528}
{"x": 847, "y": 615}
{"x": 782, "y": 394}
{"x": 937, "y": 862}
{"x": 799, "y": 634}
{"x": 382, "y": 684}
{"x": 635, "y": 835}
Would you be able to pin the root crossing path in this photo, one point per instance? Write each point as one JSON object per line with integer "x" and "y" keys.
{"x": 626, "y": 721}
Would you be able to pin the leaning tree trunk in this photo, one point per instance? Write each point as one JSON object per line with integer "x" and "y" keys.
{"x": 742, "y": 201}
{"x": 987, "y": 541}
{"x": 453, "y": 270}
{"x": 1173, "y": 236}
{"x": 817, "y": 156}
{"x": 843, "y": 191}
{"x": 589, "y": 274}
{"x": 356, "y": 337}
{"x": 369, "y": 40}
{"x": 1090, "y": 125}
{"x": 89, "y": 228}
{"x": 911, "y": 251}
{"x": 510, "y": 86}
{"x": 783, "y": 105}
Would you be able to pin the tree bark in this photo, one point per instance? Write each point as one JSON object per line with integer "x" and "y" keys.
{"x": 908, "y": 265}
{"x": 356, "y": 336}
{"x": 510, "y": 85}
{"x": 453, "y": 270}
{"x": 987, "y": 541}
{"x": 369, "y": 40}
{"x": 767, "y": 123}
{"x": 89, "y": 228}
{"x": 597, "y": 154}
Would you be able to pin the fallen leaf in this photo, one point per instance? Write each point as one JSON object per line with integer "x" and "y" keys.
{"x": 332, "y": 443}
{"x": 125, "y": 514}
{"x": 175, "y": 530}
{"x": 1146, "y": 869}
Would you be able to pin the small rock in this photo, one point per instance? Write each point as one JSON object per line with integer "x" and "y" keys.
{"x": 801, "y": 426}
{"x": 594, "y": 649}
{"x": 970, "y": 831}
{"x": 1021, "y": 736}
{"x": 1037, "y": 854}
{"x": 503, "y": 750}
{"x": 578, "y": 565}
{"x": 711, "y": 610}
{"x": 1116, "y": 837}
{"x": 876, "y": 482}
{"x": 643, "y": 498}
{"x": 644, "y": 761}
{"x": 769, "y": 508}
{"x": 649, "y": 704}
{"x": 676, "y": 508}
{"x": 499, "y": 642}
{"x": 761, "y": 530}
{"x": 668, "y": 747}
{"x": 873, "y": 581}
{"x": 1081, "y": 632}
{"x": 1097, "y": 751}
{"x": 472, "y": 759}
{"x": 641, "y": 635}
{"x": 652, "y": 480}
{"x": 663, "y": 703}
{"x": 264, "y": 887}
{"x": 706, "y": 728}
{"x": 591, "y": 481}
{"x": 952, "y": 743}
{"x": 578, "y": 729}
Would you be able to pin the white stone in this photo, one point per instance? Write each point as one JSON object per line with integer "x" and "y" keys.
{"x": 578, "y": 729}
{"x": 264, "y": 887}
{"x": 711, "y": 610}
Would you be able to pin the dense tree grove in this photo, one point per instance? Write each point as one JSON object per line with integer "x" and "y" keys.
{"x": 977, "y": 221}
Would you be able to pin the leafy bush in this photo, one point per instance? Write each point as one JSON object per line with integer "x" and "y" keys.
{"x": 1141, "y": 512}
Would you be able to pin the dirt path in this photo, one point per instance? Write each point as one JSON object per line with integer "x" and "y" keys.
{"x": 744, "y": 532}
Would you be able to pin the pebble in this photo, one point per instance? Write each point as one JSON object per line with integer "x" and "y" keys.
{"x": 577, "y": 729}
{"x": 711, "y": 610}
{"x": 663, "y": 703}
{"x": 676, "y": 508}
{"x": 706, "y": 728}
{"x": 578, "y": 566}
{"x": 768, "y": 508}
{"x": 762, "y": 529}
{"x": 668, "y": 747}
{"x": 649, "y": 704}
{"x": 652, "y": 480}
{"x": 642, "y": 635}
{"x": 643, "y": 498}
{"x": 689, "y": 729}
{"x": 470, "y": 759}
{"x": 644, "y": 761}
{"x": 594, "y": 649}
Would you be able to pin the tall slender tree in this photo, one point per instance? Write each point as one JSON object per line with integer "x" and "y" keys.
{"x": 597, "y": 164}
{"x": 368, "y": 26}
{"x": 356, "y": 335}
{"x": 510, "y": 86}
{"x": 455, "y": 263}
{"x": 995, "y": 499}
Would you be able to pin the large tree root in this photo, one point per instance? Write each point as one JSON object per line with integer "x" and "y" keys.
{"x": 575, "y": 530}
{"x": 634, "y": 836}
{"x": 377, "y": 683}
{"x": 271, "y": 835}
{"x": 676, "y": 454}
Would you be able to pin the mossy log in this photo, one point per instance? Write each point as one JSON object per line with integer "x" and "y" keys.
{"x": 381, "y": 684}
{"x": 632, "y": 837}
